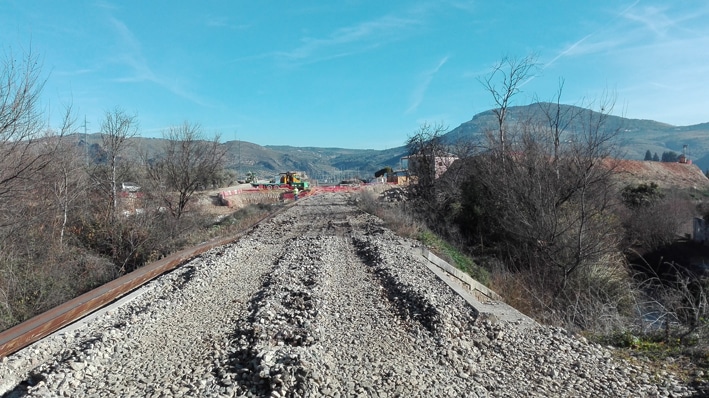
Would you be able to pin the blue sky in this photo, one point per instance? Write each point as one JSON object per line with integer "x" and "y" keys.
{"x": 355, "y": 74}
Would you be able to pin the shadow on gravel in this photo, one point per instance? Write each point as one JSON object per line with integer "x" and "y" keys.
{"x": 243, "y": 363}
{"x": 411, "y": 306}
{"x": 263, "y": 359}
{"x": 23, "y": 388}
{"x": 187, "y": 275}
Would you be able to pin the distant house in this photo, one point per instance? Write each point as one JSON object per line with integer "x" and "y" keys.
{"x": 130, "y": 187}
{"x": 398, "y": 177}
{"x": 684, "y": 159}
{"x": 440, "y": 163}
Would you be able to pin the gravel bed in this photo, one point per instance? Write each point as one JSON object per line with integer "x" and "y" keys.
{"x": 320, "y": 300}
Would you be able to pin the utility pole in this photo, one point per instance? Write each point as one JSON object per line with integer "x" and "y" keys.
{"x": 86, "y": 143}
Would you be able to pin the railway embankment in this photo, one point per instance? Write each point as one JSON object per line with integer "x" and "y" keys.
{"x": 320, "y": 300}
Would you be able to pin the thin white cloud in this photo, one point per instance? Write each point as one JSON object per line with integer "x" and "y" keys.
{"x": 638, "y": 26}
{"x": 585, "y": 45}
{"x": 349, "y": 40}
{"x": 566, "y": 51}
{"x": 130, "y": 53}
{"x": 653, "y": 50}
{"x": 425, "y": 79}
{"x": 217, "y": 22}
{"x": 69, "y": 73}
{"x": 464, "y": 5}
{"x": 665, "y": 19}
{"x": 223, "y": 22}
{"x": 105, "y": 5}
{"x": 653, "y": 18}
{"x": 355, "y": 39}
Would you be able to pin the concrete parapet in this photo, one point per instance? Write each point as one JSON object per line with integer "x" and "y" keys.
{"x": 488, "y": 303}
{"x": 482, "y": 291}
{"x": 246, "y": 198}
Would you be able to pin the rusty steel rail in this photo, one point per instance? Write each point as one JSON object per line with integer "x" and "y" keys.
{"x": 42, "y": 325}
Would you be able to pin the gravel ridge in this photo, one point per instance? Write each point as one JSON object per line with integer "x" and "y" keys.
{"x": 320, "y": 300}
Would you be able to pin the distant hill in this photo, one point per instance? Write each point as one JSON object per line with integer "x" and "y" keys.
{"x": 332, "y": 164}
{"x": 323, "y": 164}
{"x": 635, "y": 138}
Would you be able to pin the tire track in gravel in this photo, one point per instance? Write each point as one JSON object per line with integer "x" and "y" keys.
{"x": 328, "y": 319}
{"x": 138, "y": 357}
{"x": 364, "y": 342}
{"x": 271, "y": 347}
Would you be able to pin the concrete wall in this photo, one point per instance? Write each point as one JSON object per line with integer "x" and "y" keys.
{"x": 246, "y": 198}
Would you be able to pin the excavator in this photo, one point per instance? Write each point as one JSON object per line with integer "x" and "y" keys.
{"x": 293, "y": 179}
{"x": 289, "y": 180}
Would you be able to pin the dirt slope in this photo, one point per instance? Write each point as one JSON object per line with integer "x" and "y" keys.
{"x": 666, "y": 175}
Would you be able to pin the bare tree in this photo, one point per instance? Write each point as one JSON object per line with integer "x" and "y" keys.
{"x": 186, "y": 164}
{"x": 503, "y": 83}
{"x": 33, "y": 278}
{"x": 64, "y": 181}
{"x": 69, "y": 183}
{"x": 21, "y": 125}
{"x": 558, "y": 119}
{"x": 557, "y": 210}
{"x": 425, "y": 147}
{"x": 116, "y": 130}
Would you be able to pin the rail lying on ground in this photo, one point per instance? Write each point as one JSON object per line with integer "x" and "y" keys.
{"x": 46, "y": 323}
{"x": 42, "y": 325}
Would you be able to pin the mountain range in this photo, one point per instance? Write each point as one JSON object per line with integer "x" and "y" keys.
{"x": 636, "y": 136}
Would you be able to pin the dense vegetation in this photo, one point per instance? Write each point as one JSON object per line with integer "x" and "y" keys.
{"x": 536, "y": 205}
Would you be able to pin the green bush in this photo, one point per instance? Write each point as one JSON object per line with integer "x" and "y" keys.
{"x": 641, "y": 195}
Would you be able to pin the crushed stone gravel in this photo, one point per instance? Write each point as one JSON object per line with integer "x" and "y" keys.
{"x": 319, "y": 301}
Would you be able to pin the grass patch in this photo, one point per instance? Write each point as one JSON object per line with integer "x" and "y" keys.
{"x": 648, "y": 343}
{"x": 660, "y": 354}
{"x": 454, "y": 256}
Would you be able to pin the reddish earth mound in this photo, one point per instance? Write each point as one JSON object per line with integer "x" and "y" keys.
{"x": 666, "y": 175}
